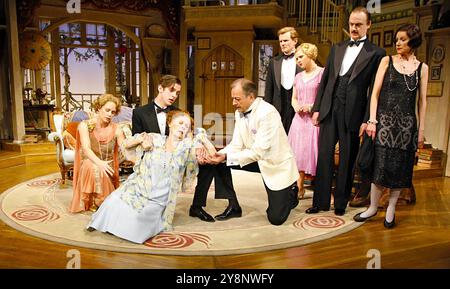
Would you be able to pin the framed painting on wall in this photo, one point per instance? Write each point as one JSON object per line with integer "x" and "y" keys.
{"x": 388, "y": 41}
{"x": 376, "y": 38}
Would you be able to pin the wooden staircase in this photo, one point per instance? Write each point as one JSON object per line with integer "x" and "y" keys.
{"x": 12, "y": 154}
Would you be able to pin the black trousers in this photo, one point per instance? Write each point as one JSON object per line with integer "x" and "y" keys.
{"x": 332, "y": 130}
{"x": 280, "y": 202}
{"x": 223, "y": 183}
{"x": 287, "y": 112}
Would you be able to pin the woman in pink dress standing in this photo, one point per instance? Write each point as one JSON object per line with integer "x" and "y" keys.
{"x": 303, "y": 135}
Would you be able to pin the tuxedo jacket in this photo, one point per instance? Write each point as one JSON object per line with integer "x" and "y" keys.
{"x": 359, "y": 86}
{"x": 273, "y": 82}
{"x": 261, "y": 138}
{"x": 144, "y": 119}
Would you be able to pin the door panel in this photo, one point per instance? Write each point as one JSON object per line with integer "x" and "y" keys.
{"x": 219, "y": 69}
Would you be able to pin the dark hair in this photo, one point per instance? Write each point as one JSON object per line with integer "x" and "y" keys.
{"x": 363, "y": 10}
{"x": 169, "y": 81}
{"x": 175, "y": 113}
{"x": 414, "y": 34}
{"x": 248, "y": 87}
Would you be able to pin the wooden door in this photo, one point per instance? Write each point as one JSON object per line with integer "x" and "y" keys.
{"x": 219, "y": 69}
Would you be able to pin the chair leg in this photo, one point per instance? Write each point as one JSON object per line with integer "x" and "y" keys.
{"x": 63, "y": 177}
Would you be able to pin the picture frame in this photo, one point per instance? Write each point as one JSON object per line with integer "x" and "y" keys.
{"x": 376, "y": 38}
{"x": 203, "y": 43}
{"x": 435, "y": 88}
{"x": 388, "y": 38}
{"x": 435, "y": 72}
{"x": 438, "y": 53}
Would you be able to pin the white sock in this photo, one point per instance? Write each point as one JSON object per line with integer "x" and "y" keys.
{"x": 390, "y": 212}
{"x": 375, "y": 194}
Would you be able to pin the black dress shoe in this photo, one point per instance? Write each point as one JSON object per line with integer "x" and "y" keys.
{"x": 312, "y": 210}
{"x": 389, "y": 225}
{"x": 230, "y": 212}
{"x": 339, "y": 212}
{"x": 201, "y": 214}
{"x": 358, "y": 217}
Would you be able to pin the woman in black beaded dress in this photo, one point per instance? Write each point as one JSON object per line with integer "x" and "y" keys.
{"x": 400, "y": 84}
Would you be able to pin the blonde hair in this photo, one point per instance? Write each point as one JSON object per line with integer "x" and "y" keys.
{"x": 309, "y": 50}
{"x": 294, "y": 33}
{"x": 105, "y": 98}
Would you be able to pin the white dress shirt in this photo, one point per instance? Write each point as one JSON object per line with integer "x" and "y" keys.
{"x": 288, "y": 72}
{"x": 232, "y": 160}
{"x": 350, "y": 55}
{"x": 162, "y": 118}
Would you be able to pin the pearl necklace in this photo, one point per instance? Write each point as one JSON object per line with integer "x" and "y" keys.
{"x": 402, "y": 64}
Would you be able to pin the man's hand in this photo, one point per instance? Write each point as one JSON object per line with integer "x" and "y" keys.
{"x": 315, "y": 118}
{"x": 215, "y": 159}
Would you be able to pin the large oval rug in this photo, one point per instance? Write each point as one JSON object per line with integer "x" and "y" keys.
{"x": 39, "y": 207}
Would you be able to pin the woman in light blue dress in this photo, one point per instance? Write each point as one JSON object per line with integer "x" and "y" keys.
{"x": 144, "y": 205}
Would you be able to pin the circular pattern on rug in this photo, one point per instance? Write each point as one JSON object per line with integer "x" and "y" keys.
{"x": 39, "y": 207}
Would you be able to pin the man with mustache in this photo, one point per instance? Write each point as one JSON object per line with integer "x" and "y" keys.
{"x": 341, "y": 109}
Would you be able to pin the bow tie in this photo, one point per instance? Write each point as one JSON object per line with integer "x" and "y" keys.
{"x": 288, "y": 56}
{"x": 159, "y": 109}
{"x": 245, "y": 113}
{"x": 357, "y": 42}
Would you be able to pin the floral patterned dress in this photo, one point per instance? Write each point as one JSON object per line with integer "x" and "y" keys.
{"x": 144, "y": 205}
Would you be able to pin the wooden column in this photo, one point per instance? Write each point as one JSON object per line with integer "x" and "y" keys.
{"x": 55, "y": 70}
{"x": 143, "y": 80}
{"x": 16, "y": 89}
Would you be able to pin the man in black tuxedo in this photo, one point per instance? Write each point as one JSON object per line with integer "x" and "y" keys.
{"x": 341, "y": 109}
{"x": 281, "y": 74}
{"x": 152, "y": 117}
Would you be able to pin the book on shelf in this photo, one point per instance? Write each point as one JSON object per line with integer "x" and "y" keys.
{"x": 430, "y": 157}
{"x": 430, "y": 152}
{"x": 429, "y": 161}
{"x": 429, "y": 166}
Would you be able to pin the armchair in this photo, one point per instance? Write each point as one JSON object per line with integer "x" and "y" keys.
{"x": 65, "y": 156}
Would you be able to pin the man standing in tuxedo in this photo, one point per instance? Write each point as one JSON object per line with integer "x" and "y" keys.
{"x": 260, "y": 144}
{"x": 281, "y": 74}
{"x": 341, "y": 110}
{"x": 152, "y": 116}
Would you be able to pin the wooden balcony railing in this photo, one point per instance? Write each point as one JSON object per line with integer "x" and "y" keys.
{"x": 198, "y": 3}
{"x": 78, "y": 101}
{"x": 329, "y": 23}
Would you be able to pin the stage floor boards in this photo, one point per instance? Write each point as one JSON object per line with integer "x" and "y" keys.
{"x": 421, "y": 239}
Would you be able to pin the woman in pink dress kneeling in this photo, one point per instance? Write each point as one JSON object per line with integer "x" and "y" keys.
{"x": 303, "y": 135}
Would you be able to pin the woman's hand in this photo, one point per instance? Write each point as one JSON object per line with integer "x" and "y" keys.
{"x": 105, "y": 167}
{"x": 371, "y": 130}
{"x": 201, "y": 155}
{"x": 147, "y": 143}
{"x": 421, "y": 139}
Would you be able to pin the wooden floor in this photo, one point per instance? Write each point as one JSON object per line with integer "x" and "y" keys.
{"x": 421, "y": 240}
